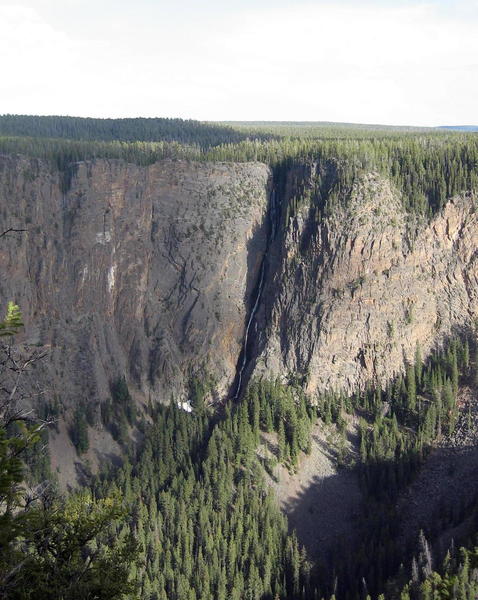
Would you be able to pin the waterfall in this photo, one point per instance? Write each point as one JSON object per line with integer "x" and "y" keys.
{"x": 271, "y": 235}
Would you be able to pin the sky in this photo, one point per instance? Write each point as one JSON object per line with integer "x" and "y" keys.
{"x": 398, "y": 62}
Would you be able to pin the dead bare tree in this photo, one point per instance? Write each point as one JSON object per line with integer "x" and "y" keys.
{"x": 12, "y": 230}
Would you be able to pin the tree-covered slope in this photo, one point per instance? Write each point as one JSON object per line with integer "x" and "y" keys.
{"x": 208, "y": 527}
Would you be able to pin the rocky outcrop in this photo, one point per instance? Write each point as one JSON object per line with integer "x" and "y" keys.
{"x": 351, "y": 294}
{"x": 142, "y": 271}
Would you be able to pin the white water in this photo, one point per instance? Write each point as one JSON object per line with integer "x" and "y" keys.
{"x": 246, "y": 336}
{"x": 272, "y": 233}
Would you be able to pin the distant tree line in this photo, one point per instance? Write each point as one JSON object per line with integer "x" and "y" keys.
{"x": 184, "y": 131}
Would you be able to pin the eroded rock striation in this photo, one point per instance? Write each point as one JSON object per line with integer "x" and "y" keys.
{"x": 142, "y": 271}
{"x": 354, "y": 291}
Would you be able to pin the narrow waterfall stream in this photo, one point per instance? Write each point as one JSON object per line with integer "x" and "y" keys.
{"x": 258, "y": 293}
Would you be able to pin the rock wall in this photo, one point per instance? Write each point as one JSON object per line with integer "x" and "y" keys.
{"x": 350, "y": 295}
{"x": 142, "y": 271}
{"x": 151, "y": 272}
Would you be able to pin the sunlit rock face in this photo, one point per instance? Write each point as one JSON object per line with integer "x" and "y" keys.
{"x": 353, "y": 293}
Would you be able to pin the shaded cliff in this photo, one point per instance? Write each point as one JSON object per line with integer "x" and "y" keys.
{"x": 143, "y": 271}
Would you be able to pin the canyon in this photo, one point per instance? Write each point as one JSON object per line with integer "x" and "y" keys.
{"x": 223, "y": 272}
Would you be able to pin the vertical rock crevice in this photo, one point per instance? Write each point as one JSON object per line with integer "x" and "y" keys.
{"x": 249, "y": 344}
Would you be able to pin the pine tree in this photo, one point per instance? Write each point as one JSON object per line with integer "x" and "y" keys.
{"x": 454, "y": 372}
{"x": 411, "y": 388}
{"x": 418, "y": 365}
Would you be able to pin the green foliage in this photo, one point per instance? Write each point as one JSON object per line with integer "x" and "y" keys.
{"x": 122, "y": 399}
{"x": 125, "y": 130}
{"x": 326, "y": 129}
{"x": 11, "y": 477}
{"x": 12, "y": 321}
{"x": 67, "y": 553}
{"x": 37, "y": 459}
{"x": 399, "y": 424}
{"x": 457, "y": 579}
{"x": 52, "y": 547}
{"x": 15, "y": 437}
{"x": 421, "y": 408}
{"x": 284, "y": 409}
{"x": 119, "y": 412}
{"x": 427, "y": 168}
{"x": 206, "y": 524}
{"x": 79, "y": 430}
{"x": 199, "y": 389}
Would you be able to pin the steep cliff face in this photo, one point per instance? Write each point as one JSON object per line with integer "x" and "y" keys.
{"x": 353, "y": 293}
{"x": 152, "y": 272}
{"x": 143, "y": 271}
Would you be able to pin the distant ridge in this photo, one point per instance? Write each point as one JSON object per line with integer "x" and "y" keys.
{"x": 136, "y": 129}
{"x": 324, "y": 124}
{"x": 459, "y": 127}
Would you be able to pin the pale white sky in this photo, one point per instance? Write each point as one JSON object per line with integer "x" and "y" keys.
{"x": 395, "y": 62}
